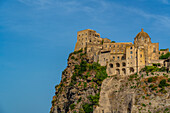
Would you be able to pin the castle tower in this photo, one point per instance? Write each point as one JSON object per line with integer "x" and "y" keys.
{"x": 146, "y": 51}
{"x": 85, "y": 37}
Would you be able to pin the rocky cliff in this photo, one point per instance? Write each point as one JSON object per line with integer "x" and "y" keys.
{"x": 80, "y": 86}
{"x": 86, "y": 88}
{"x": 138, "y": 93}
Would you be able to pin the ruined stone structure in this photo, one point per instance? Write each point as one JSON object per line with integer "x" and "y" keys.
{"x": 120, "y": 58}
{"x": 163, "y": 51}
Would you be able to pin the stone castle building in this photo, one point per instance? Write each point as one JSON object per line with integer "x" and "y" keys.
{"x": 120, "y": 58}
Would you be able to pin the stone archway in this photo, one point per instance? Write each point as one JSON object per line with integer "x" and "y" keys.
{"x": 117, "y": 71}
{"x": 124, "y": 71}
{"x": 132, "y": 70}
{"x": 111, "y": 65}
{"x": 117, "y": 65}
{"x": 123, "y": 64}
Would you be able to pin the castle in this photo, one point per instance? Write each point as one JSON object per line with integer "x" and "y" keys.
{"x": 120, "y": 58}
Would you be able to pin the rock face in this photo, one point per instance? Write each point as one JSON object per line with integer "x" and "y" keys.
{"x": 80, "y": 85}
{"x": 134, "y": 94}
{"x": 86, "y": 88}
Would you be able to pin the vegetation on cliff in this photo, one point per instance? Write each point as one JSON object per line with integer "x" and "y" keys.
{"x": 79, "y": 89}
{"x": 165, "y": 56}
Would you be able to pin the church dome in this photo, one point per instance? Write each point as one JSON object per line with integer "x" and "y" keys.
{"x": 142, "y": 34}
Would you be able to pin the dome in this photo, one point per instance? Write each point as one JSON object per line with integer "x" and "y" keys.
{"x": 142, "y": 34}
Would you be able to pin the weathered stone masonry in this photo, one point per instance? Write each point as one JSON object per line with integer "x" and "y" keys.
{"x": 120, "y": 58}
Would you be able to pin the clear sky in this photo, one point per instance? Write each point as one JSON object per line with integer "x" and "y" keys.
{"x": 36, "y": 37}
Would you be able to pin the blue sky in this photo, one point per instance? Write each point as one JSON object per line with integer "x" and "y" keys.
{"x": 36, "y": 37}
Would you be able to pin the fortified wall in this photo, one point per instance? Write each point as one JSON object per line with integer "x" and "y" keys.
{"x": 120, "y": 58}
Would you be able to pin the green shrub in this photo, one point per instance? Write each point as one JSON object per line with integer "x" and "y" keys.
{"x": 163, "y": 49}
{"x": 150, "y": 79}
{"x": 64, "y": 79}
{"x": 83, "y": 66}
{"x": 79, "y": 100}
{"x": 165, "y": 75}
{"x": 94, "y": 99}
{"x": 72, "y": 57}
{"x": 165, "y": 56}
{"x": 143, "y": 105}
{"x": 81, "y": 54}
{"x": 56, "y": 86}
{"x": 168, "y": 79}
{"x": 88, "y": 108}
{"x": 163, "y": 83}
{"x": 166, "y": 110}
{"x": 150, "y": 86}
{"x": 79, "y": 84}
{"x": 163, "y": 90}
{"x": 156, "y": 64}
{"x": 154, "y": 88}
{"x": 72, "y": 106}
{"x": 96, "y": 86}
{"x": 85, "y": 84}
{"x": 162, "y": 69}
{"x": 151, "y": 68}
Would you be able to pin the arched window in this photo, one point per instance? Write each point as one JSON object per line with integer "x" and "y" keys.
{"x": 117, "y": 65}
{"x": 118, "y": 57}
{"x": 123, "y": 58}
{"x": 131, "y": 47}
{"x": 124, "y": 64}
{"x": 124, "y": 71}
{"x": 131, "y": 70}
{"x": 113, "y": 58}
{"x": 117, "y": 71}
{"x": 111, "y": 65}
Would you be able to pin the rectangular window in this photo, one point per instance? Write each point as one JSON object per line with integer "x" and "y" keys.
{"x": 154, "y": 50}
{"x": 131, "y": 52}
